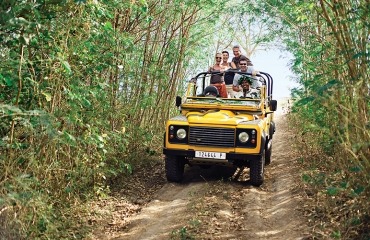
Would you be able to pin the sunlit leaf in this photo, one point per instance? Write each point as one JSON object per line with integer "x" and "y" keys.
{"x": 66, "y": 66}
{"x": 108, "y": 26}
{"x": 25, "y": 40}
{"x": 100, "y": 138}
{"x": 69, "y": 137}
{"x": 47, "y": 96}
{"x": 127, "y": 167}
{"x": 86, "y": 102}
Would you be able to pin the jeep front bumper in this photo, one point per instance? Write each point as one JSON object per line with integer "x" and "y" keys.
{"x": 190, "y": 154}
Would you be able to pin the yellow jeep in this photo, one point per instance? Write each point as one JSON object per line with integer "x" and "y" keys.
{"x": 221, "y": 131}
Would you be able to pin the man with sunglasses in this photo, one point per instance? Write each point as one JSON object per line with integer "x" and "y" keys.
{"x": 244, "y": 68}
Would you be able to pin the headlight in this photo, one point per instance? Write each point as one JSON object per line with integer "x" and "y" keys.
{"x": 181, "y": 134}
{"x": 243, "y": 137}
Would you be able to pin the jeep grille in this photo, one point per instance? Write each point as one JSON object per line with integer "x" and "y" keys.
{"x": 218, "y": 137}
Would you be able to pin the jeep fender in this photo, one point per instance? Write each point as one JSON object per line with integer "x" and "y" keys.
{"x": 271, "y": 130}
{"x": 263, "y": 143}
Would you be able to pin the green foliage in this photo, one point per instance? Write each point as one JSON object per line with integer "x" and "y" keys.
{"x": 251, "y": 27}
{"x": 336, "y": 235}
{"x": 85, "y": 88}
{"x": 181, "y": 234}
{"x": 331, "y": 107}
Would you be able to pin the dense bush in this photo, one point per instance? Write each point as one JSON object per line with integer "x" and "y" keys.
{"x": 331, "y": 109}
{"x": 85, "y": 86}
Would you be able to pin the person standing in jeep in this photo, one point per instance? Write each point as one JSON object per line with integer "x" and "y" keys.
{"x": 228, "y": 76}
{"x": 217, "y": 78}
{"x": 238, "y": 56}
{"x": 244, "y": 69}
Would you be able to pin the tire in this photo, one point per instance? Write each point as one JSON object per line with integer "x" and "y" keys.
{"x": 268, "y": 153}
{"x": 174, "y": 168}
{"x": 257, "y": 168}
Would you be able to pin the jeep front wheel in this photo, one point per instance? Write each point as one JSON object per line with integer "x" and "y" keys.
{"x": 174, "y": 168}
{"x": 256, "y": 173}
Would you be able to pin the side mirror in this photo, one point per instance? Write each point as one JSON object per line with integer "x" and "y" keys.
{"x": 178, "y": 101}
{"x": 273, "y": 105}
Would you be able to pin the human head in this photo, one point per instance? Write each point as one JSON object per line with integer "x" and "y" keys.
{"x": 236, "y": 51}
{"x": 218, "y": 57}
{"x": 211, "y": 91}
{"x": 225, "y": 56}
{"x": 245, "y": 82}
{"x": 243, "y": 64}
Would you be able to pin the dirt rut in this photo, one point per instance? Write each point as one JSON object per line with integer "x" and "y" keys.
{"x": 215, "y": 204}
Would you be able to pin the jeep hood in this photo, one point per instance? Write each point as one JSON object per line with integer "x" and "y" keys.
{"x": 218, "y": 116}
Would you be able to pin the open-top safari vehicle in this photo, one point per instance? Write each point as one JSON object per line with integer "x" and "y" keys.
{"x": 212, "y": 130}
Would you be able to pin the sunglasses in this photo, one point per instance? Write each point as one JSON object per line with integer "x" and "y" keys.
{"x": 218, "y": 57}
{"x": 243, "y": 64}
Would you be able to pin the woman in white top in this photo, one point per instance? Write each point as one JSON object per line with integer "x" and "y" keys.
{"x": 228, "y": 77}
{"x": 217, "y": 78}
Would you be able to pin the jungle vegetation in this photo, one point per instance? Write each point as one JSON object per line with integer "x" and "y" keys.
{"x": 86, "y": 87}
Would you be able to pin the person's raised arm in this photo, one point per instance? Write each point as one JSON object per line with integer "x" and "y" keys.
{"x": 235, "y": 83}
{"x": 233, "y": 65}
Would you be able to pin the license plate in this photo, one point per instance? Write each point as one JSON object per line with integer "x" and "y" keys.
{"x": 214, "y": 155}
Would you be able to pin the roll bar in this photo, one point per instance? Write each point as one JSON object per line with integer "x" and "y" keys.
{"x": 268, "y": 81}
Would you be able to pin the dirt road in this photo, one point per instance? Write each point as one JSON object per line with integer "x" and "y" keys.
{"x": 210, "y": 205}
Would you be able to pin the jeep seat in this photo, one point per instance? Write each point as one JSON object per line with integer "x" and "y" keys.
{"x": 221, "y": 87}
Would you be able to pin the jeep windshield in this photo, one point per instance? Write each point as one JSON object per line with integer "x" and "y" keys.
{"x": 219, "y": 100}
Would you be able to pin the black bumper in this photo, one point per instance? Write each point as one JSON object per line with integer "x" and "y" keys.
{"x": 229, "y": 156}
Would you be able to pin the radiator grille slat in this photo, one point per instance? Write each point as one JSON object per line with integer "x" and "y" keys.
{"x": 217, "y": 137}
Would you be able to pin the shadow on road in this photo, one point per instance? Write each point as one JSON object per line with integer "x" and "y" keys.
{"x": 196, "y": 174}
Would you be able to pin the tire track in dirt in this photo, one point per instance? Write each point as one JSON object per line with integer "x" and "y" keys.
{"x": 282, "y": 198}
{"x": 227, "y": 209}
{"x": 165, "y": 213}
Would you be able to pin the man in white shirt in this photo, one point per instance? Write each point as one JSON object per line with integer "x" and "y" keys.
{"x": 246, "y": 69}
{"x": 247, "y": 91}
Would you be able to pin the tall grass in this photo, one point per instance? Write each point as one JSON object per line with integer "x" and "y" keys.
{"x": 334, "y": 144}
{"x": 331, "y": 109}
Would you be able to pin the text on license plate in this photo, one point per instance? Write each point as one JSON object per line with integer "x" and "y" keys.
{"x": 216, "y": 155}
